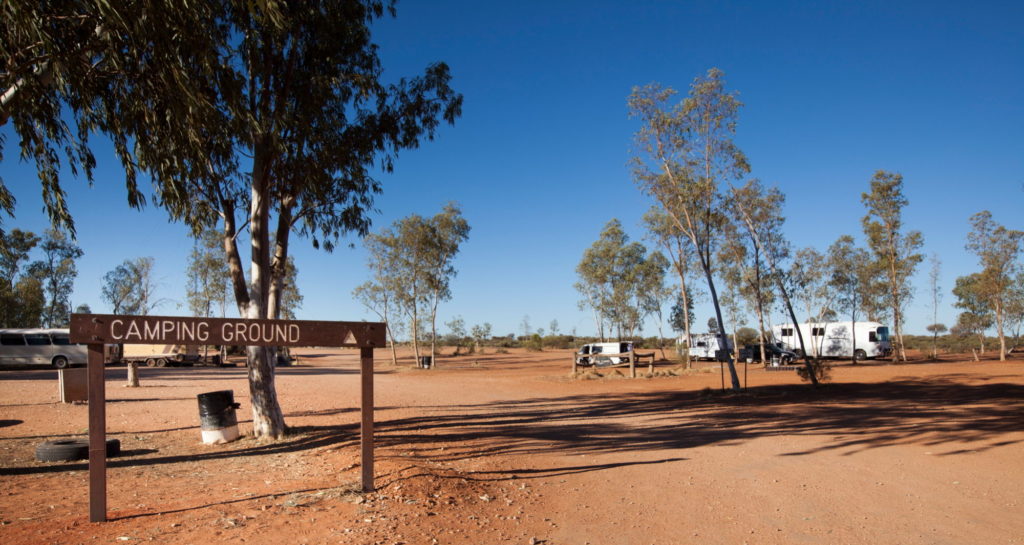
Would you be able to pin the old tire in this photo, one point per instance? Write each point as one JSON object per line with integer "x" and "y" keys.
{"x": 860, "y": 355}
{"x": 161, "y": 362}
{"x": 150, "y": 362}
{"x": 69, "y": 450}
{"x": 59, "y": 362}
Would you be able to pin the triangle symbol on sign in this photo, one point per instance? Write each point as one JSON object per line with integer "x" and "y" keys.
{"x": 350, "y": 338}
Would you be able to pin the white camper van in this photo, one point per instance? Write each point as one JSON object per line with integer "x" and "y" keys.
{"x": 705, "y": 345}
{"x": 590, "y": 354}
{"x": 836, "y": 339}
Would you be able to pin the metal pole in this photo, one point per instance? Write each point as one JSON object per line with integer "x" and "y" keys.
{"x": 97, "y": 436}
{"x": 366, "y": 432}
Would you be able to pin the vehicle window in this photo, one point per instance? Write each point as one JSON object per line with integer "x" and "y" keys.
{"x": 596, "y": 349}
{"x": 585, "y": 349}
{"x": 883, "y": 334}
{"x": 702, "y": 343}
{"x": 872, "y": 338}
{"x": 37, "y": 339}
{"x": 62, "y": 340}
{"x": 787, "y": 332}
{"x": 12, "y": 339}
{"x": 817, "y": 331}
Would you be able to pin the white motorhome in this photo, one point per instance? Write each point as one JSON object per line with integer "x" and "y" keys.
{"x": 705, "y": 345}
{"x": 590, "y": 354}
{"x": 40, "y": 346}
{"x": 836, "y": 339}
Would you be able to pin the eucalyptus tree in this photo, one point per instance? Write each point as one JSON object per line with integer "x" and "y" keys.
{"x": 847, "y": 280}
{"x": 130, "y": 288}
{"x": 761, "y": 213}
{"x": 998, "y": 250}
{"x": 21, "y": 294}
{"x": 56, "y": 271}
{"x": 185, "y": 94}
{"x": 935, "y": 328}
{"x": 206, "y": 286}
{"x": 445, "y": 233}
{"x": 813, "y": 290}
{"x": 685, "y": 151}
{"x": 665, "y": 233}
{"x": 620, "y": 280}
{"x": 977, "y": 315}
{"x": 896, "y": 252}
{"x": 380, "y": 294}
{"x": 480, "y": 333}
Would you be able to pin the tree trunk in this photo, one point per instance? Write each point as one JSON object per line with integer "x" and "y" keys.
{"x": 785, "y": 295}
{"x": 267, "y": 417}
{"x": 723, "y": 337}
{"x": 999, "y": 331}
{"x": 133, "y": 375}
{"x": 433, "y": 332}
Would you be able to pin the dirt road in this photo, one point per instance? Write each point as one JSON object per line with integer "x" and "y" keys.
{"x": 506, "y": 448}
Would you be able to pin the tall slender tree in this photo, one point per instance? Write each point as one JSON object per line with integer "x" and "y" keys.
{"x": 664, "y": 232}
{"x": 896, "y": 251}
{"x": 847, "y": 280}
{"x": 998, "y": 249}
{"x": 684, "y": 153}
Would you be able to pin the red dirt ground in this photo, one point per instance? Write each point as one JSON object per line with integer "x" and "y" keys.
{"x": 506, "y": 448}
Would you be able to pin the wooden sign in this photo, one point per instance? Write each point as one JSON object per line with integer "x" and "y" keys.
{"x": 114, "y": 329}
{"x": 96, "y": 330}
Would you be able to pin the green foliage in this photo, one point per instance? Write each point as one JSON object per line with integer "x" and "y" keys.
{"x": 620, "y": 281}
{"x": 685, "y": 152}
{"x": 896, "y": 252}
{"x": 998, "y": 250}
{"x": 207, "y": 274}
{"x": 130, "y": 287}
{"x": 56, "y": 271}
{"x": 21, "y": 293}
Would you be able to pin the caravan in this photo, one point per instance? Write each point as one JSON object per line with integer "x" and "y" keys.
{"x": 836, "y": 339}
{"x": 706, "y": 345}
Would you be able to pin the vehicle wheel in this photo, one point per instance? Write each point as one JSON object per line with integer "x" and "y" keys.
{"x": 799, "y": 353}
{"x": 59, "y": 362}
{"x": 161, "y": 362}
{"x": 67, "y": 450}
{"x": 860, "y": 355}
{"x": 150, "y": 362}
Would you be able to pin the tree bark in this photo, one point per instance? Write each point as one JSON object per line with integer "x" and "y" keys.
{"x": 267, "y": 417}
{"x": 133, "y": 375}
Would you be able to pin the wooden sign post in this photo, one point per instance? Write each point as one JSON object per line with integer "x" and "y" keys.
{"x": 97, "y": 330}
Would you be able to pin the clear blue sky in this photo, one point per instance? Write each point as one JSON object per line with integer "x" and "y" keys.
{"x": 833, "y": 91}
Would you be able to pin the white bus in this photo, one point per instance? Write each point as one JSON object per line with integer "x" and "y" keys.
{"x": 835, "y": 339}
{"x": 40, "y": 346}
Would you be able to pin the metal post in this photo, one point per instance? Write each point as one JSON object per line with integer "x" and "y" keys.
{"x": 366, "y": 432}
{"x": 97, "y": 436}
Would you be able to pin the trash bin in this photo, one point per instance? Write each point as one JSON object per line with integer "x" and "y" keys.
{"x": 218, "y": 422}
{"x": 426, "y": 362}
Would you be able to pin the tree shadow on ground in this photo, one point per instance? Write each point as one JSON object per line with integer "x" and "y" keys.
{"x": 942, "y": 410}
{"x": 855, "y": 416}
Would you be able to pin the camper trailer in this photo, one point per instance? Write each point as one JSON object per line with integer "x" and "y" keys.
{"x": 597, "y": 353}
{"x": 160, "y": 355}
{"x": 836, "y": 339}
{"x": 705, "y": 345}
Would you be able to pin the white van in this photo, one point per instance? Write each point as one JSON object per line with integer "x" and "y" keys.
{"x": 590, "y": 354}
{"x": 836, "y": 339}
{"x": 40, "y": 346}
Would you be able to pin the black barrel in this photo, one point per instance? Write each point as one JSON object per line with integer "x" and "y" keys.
{"x": 217, "y": 410}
